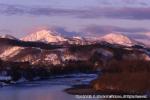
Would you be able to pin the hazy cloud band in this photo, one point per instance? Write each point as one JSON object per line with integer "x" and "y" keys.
{"x": 97, "y": 12}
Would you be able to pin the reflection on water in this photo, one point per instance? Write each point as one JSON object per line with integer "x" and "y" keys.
{"x": 51, "y": 89}
{"x": 38, "y": 93}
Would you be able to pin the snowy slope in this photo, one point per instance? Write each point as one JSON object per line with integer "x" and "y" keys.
{"x": 117, "y": 38}
{"x": 7, "y": 36}
{"x": 36, "y": 55}
{"x": 6, "y": 49}
{"x": 10, "y": 52}
{"x": 44, "y": 36}
{"x": 77, "y": 40}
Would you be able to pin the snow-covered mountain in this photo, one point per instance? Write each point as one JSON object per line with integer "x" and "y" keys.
{"x": 44, "y": 36}
{"x": 78, "y": 40}
{"x": 4, "y": 44}
{"x": 7, "y": 36}
{"x": 49, "y": 36}
{"x": 117, "y": 38}
{"x": 36, "y": 54}
{"x": 40, "y": 36}
{"x": 77, "y": 48}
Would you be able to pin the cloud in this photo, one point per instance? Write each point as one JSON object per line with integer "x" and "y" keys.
{"x": 139, "y": 34}
{"x": 103, "y": 29}
{"x": 118, "y": 13}
{"x": 63, "y": 31}
{"x": 127, "y": 3}
{"x": 5, "y": 31}
{"x": 36, "y": 10}
{"x": 134, "y": 13}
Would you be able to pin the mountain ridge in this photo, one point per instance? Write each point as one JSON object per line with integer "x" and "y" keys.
{"x": 44, "y": 36}
{"x": 118, "y": 38}
{"x": 76, "y": 48}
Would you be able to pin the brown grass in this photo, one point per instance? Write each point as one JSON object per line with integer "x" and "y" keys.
{"x": 128, "y": 76}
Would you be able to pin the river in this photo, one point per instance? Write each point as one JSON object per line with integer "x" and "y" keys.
{"x": 51, "y": 89}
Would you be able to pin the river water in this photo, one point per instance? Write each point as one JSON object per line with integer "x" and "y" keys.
{"x": 51, "y": 89}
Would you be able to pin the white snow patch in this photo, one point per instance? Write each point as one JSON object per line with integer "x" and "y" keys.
{"x": 44, "y": 36}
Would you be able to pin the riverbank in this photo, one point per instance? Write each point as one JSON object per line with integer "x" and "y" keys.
{"x": 52, "y": 88}
{"x": 124, "y": 77}
{"x": 25, "y": 71}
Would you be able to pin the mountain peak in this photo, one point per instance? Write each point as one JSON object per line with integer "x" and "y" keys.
{"x": 44, "y": 36}
{"x": 7, "y": 36}
{"x": 118, "y": 38}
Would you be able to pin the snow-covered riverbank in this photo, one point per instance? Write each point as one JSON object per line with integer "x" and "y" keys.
{"x": 51, "y": 89}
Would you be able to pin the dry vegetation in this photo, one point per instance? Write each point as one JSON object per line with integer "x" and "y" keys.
{"x": 130, "y": 76}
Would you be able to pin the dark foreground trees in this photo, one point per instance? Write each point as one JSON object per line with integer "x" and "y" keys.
{"x": 18, "y": 70}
